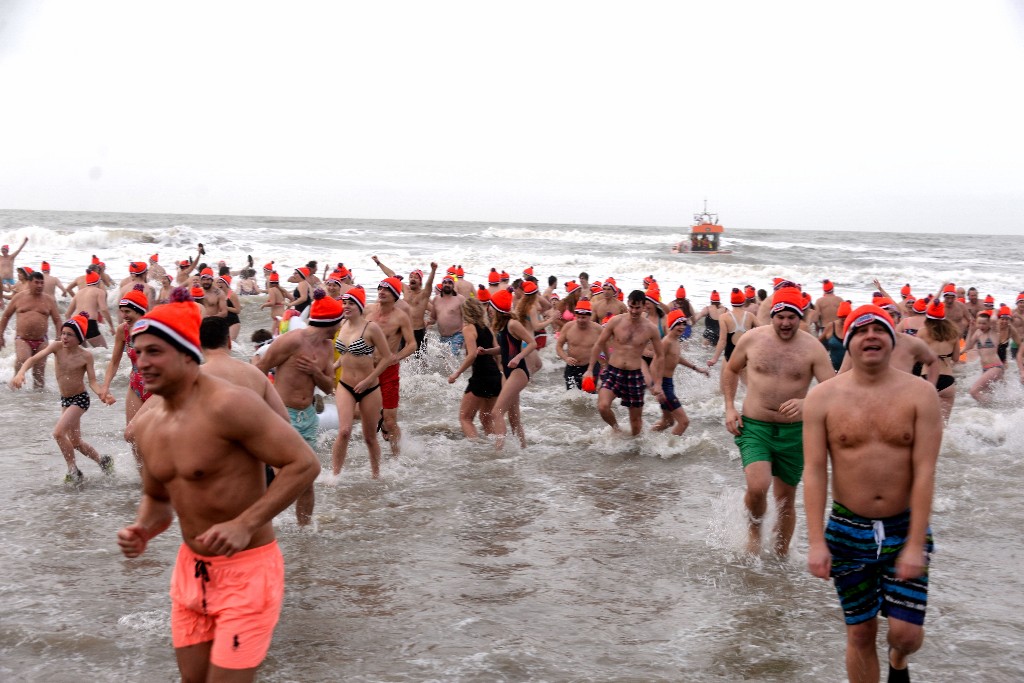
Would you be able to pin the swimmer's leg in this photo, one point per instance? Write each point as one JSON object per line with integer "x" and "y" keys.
{"x": 759, "y": 479}
{"x": 682, "y": 421}
{"x": 861, "y": 651}
{"x": 785, "y": 504}
{"x": 194, "y": 661}
{"x": 904, "y": 640}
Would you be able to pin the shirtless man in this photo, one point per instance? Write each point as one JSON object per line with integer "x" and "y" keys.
{"x": 627, "y": 375}
{"x": 446, "y": 310}
{"x": 827, "y": 304}
{"x": 204, "y": 448}
{"x": 956, "y": 311}
{"x": 881, "y": 430}
{"x": 185, "y": 268}
{"x": 34, "y": 309}
{"x": 397, "y": 329}
{"x": 304, "y": 360}
{"x": 416, "y": 296}
{"x": 985, "y": 340}
{"x": 780, "y": 360}
{"x": 50, "y": 283}
{"x": 7, "y": 263}
{"x": 607, "y": 303}
{"x": 215, "y": 302}
{"x": 72, "y": 364}
{"x": 672, "y": 412}
{"x": 215, "y": 341}
{"x": 92, "y": 300}
{"x": 137, "y": 272}
{"x": 576, "y": 344}
{"x": 156, "y": 271}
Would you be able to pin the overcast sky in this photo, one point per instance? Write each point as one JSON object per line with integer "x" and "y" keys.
{"x": 809, "y": 115}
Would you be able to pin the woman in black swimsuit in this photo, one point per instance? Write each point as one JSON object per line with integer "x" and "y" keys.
{"x": 516, "y": 343}
{"x": 363, "y": 354}
{"x": 485, "y": 382}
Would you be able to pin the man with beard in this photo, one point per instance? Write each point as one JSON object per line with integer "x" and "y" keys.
{"x": 398, "y": 330}
{"x": 417, "y": 296}
{"x": 34, "y": 309}
{"x": 214, "y": 301}
{"x": 446, "y": 310}
{"x": 781, "y": 360}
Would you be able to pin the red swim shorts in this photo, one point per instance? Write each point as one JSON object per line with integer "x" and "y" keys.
{"x": 233, "y": 601}
{"x": 389, "y": 387}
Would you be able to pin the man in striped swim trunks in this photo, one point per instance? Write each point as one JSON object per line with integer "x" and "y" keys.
{"x": 882, "y": 429}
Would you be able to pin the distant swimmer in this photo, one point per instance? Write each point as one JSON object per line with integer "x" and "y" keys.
{"x": 712, "y": 315}
{"x": 277, "y": 299}
{"x": 7, "y": 263}
{"x": 33, "y": 310}
{"x": 73, "y": 365}
{"x": 627, "y": 377}
{"x": 880, "y": 429}
{"x": 1017, "y": 339}
{"x": 781, "y": 361}
{"x": 50, "y": 283}
{"x": 827, "y": 304}
{"x": 204, "y": 447}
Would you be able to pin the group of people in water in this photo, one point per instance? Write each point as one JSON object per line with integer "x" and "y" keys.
{"x": 202, "y": 428}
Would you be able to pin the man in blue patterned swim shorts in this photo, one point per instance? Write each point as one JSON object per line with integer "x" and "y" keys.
{"x": 881, "y": 428}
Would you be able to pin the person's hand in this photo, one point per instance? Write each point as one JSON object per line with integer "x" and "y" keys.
{"x": 226, "y": 538}
{"x": 733, "y": 421}
{"x": 132, "y": 540}
{"x": 108, "y": 399}
{"x": 202, "y": 251}
{"x": 18, "y": 380}
{"x": 793, "y": 408}
{"x": 433, "y": 266}
{"x": 819, "y": 561}
{"x": 375, "y": 260}
{"x": 703, "y": 371}
{"x": 452, "y": 377}
{"x": 712, "y": 361}
{"x": 911, "y": 562}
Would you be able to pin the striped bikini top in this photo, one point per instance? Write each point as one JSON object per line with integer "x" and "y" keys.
{"x": 359, "y": 347}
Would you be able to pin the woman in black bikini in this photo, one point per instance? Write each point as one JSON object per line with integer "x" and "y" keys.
{"x": 516, "y": 343}
{"x": 363, "y": 355}
{"x": 942, "y": 337}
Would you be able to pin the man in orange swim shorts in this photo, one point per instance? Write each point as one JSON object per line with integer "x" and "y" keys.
{"x": 204, "y": 444}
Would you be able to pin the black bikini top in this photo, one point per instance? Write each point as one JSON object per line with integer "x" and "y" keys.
{"x": 359, "y": 347}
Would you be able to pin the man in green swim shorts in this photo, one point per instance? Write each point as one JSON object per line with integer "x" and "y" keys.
{"x": 780, "y": 360}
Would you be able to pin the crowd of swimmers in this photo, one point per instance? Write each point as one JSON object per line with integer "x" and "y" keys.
{"x": 325, "y": 335}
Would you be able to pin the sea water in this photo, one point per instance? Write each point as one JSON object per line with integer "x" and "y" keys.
{"x": 584, "y": 557}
